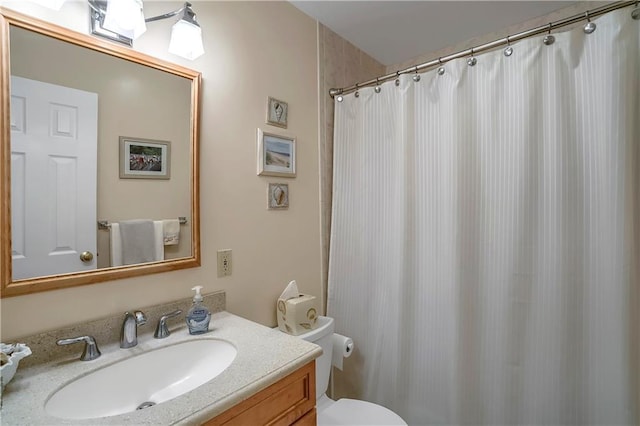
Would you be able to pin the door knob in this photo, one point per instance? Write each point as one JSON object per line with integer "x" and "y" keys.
{"x": 86, "y": 256}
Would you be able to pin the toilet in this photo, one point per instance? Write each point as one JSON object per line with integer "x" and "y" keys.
{"x": 343, "y": 411}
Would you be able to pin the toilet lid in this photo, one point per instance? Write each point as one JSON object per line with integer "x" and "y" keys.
{"x": 355, "y": 412}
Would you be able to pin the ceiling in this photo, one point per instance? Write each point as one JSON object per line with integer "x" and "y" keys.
{"x": 395, "y": 31}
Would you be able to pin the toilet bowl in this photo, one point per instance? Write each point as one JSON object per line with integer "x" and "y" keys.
{"x": 343, "y": 411}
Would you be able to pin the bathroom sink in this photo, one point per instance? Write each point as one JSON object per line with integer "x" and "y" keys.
{"x": 142, "y": 381}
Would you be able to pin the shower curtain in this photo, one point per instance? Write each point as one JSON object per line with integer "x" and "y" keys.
{"x": 485, "y": 241}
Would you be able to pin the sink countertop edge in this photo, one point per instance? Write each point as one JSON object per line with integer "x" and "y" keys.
{"x": 264, "y": 356}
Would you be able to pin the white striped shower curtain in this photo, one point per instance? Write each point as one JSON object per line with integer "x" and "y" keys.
{"x": 485, "y": 239}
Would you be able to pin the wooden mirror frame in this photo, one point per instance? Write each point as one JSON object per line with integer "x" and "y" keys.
{"x": 52, "y": 282}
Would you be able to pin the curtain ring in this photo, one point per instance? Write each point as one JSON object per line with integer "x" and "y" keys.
{"x": 357, "y": 93}
{"x": 472, "y": 60}
{"x": 589, "y": 26}
{"x": 635, "y": 13}
{"x": 549, "y": 39}
{"x": 377, "y": 88}
{"x": 441, "y": 68}
{"x": 416, "y": 77}
{"x": 397, "y": 78}
{"x": 509, "y": 50}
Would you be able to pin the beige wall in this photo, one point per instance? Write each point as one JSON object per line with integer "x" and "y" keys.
{"x": 253, "y": 50}
{"x": 129, "y": 104}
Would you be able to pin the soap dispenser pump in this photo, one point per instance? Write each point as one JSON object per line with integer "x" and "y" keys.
{"x": 198, "y": 316}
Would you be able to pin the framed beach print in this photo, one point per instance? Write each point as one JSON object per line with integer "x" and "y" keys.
{"x": 277, "y": 112}
{"x": 276, "y": 155}
{"x": 144, "y": 158}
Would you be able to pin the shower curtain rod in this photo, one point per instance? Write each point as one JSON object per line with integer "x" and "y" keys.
{"x": 491, "y": 45}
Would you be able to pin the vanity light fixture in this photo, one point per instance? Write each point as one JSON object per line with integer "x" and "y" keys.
{"x": 123, "y": 21}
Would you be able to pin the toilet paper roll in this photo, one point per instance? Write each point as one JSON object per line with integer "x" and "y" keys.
{"x": 342, "y": 348}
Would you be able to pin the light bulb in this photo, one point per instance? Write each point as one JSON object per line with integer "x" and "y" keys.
{"x": 125, "y": 17}
{"x": 186, "y": 40}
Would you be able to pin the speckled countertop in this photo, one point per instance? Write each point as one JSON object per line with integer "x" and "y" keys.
{"x": 264, "y": 356}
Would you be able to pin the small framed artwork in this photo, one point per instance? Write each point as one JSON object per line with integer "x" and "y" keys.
{"x": 144, "y": 158}
{"x": 277, "y": 112}
{"x": 278, "y": 196}
{"x": 276, "y": 155}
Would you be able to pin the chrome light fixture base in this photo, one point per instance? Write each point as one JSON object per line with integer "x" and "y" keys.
{"x": 186, "y": 35}
{"x": 97, "y": 13}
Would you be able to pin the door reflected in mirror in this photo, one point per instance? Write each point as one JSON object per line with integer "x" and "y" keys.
{"x": 71, "y": 102}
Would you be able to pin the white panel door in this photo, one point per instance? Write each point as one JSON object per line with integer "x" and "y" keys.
{"x": 53, "y": 178}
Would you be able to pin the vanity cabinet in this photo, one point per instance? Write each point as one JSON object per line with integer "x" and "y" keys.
{"x": 289, "y": 401}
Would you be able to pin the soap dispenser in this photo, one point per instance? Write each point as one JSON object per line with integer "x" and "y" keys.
{"x": 198, "y": 316}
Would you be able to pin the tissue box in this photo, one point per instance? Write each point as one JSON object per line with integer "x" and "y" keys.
{"x": 297, "y": 315}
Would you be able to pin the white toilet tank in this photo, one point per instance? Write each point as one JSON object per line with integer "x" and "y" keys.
{"x": 321, "y": 336}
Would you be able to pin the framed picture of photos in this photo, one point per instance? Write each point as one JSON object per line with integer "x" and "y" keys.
{"x": 144, "y": 158}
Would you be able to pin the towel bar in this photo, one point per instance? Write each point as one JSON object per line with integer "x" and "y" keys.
{"x": 104, "y": 224}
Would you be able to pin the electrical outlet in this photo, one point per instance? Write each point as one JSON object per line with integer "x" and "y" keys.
{"x": 224, "y": 263}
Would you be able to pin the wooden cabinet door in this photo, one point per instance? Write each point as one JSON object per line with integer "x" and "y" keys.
{"x": 286, "y": 402}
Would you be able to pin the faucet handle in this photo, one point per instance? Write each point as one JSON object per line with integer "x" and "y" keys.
{"x": 141, "y": 318}
{"x": 162, "y": 330}
{"x": 91, "y": 350}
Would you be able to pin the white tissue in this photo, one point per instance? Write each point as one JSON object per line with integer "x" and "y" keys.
{"x": 290, "y": 291}
{"x": 342, "y": 348}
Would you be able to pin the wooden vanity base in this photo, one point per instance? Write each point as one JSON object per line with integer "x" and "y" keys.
{"x": 289, "y": 401}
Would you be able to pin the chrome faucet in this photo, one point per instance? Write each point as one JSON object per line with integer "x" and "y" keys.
{"x": 162, "y": 330}
{"x": 91, "y": 350}
{"x": 129, "y": 334}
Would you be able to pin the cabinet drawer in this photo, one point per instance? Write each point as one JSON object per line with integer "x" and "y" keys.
{"x": 308, "y": 419}
{"x": 282, "y": 403}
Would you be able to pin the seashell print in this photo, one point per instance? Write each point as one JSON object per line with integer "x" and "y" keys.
{"x": 279, "y": 196}
{"x": 305, "y": 325}
{"x": 312, "y": 314}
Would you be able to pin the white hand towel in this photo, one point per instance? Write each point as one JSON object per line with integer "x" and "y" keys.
{"x": 140, "y": 241}
{"x": 158, "y": 245}
{"x": 115, "y": 244}
{"x": 171, "y": 231}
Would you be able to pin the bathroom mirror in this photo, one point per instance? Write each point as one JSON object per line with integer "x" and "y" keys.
{"x": 134, "y": 105}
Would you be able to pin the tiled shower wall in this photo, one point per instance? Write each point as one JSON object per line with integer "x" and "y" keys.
{"x": 341, "y": 64}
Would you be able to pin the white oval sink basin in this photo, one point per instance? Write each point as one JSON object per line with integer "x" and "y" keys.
{"x": 143, "y": 380}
